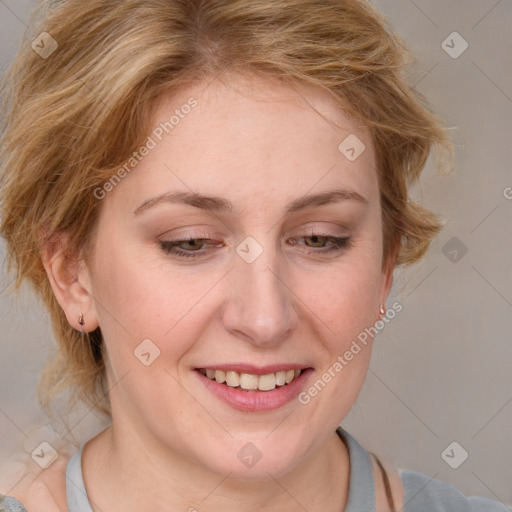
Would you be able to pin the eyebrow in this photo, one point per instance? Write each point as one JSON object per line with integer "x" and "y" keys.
{"x": 219, "y": 204}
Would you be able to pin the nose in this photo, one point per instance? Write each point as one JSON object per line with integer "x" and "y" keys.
{"x": 260, "y": 305}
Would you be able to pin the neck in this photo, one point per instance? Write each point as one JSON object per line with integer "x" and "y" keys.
{"x": 122, "y": 472}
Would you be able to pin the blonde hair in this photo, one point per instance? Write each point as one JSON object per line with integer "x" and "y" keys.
{"x": 72, "y": 118}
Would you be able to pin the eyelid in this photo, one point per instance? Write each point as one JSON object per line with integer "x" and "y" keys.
{"x": 319, "y": 232}
{"x": 214, "y": 237}
{"x": 192, "y": 234}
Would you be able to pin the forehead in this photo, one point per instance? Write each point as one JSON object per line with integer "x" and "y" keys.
{"x": 249, "y": 136}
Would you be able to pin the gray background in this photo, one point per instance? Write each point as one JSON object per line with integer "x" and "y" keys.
{"x": 441, "y": 370}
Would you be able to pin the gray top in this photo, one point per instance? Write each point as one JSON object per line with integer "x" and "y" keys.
{"x": 421, "y": 493}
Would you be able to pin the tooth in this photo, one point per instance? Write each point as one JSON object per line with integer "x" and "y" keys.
{"x": 232, "y": 379}
{"x": 280, "y": 378}
{"x": 248, "y": 381}
{"x": 267, "y": 382}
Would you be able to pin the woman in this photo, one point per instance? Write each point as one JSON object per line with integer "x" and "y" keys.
{"x": 211, "y": 203}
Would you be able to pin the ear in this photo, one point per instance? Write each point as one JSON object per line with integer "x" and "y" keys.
{"x": 70, "y": 280}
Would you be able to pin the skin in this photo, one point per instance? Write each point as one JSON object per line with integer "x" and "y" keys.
{"x": 260, "y": 145}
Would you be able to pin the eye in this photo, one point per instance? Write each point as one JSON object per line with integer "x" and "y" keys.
{"x": 201, "y": 247}
{"x": 326, "y": 243}
{"x": 187, "y": 248}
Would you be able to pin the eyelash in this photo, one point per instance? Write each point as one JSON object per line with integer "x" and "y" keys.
{"x": 169, "y": 246}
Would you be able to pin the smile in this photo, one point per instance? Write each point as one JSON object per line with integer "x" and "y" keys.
{"x": 251, "y": 382}
{"x": 249, "y": 388}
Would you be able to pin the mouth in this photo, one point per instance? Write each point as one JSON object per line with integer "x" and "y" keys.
{"x": 251, "y": 389}
{"x": 252, "y": 381}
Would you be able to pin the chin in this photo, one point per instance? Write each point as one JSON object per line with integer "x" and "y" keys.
{"x": 255, "y": 460}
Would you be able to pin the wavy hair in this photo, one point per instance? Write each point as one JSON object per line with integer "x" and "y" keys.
{"x": 73, "y": 117}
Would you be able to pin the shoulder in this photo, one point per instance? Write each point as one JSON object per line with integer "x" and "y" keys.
{"x": 423, "y": 493}
{"x": 416, "y": 492}
{"x": 43, "y": 491}
{"x": 10, "y": 504}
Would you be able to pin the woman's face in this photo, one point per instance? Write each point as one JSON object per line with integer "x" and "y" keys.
{"x": 282, "y": 271}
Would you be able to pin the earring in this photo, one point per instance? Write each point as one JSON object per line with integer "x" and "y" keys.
{"x": 81, "y": 320}
{"x": 382, "y": 310}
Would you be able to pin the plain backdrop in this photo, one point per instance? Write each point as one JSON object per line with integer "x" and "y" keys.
{"x": 441, "y": 369}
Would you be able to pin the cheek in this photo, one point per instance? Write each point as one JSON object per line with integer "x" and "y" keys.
{"x": 141, "y": 297}
{"x": 344, "y": 297}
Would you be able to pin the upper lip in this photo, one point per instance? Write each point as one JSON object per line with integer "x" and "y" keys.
{"x": 254, "y": 370}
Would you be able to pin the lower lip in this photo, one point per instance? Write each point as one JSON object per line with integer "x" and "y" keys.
{"x": 257, "y": 401}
